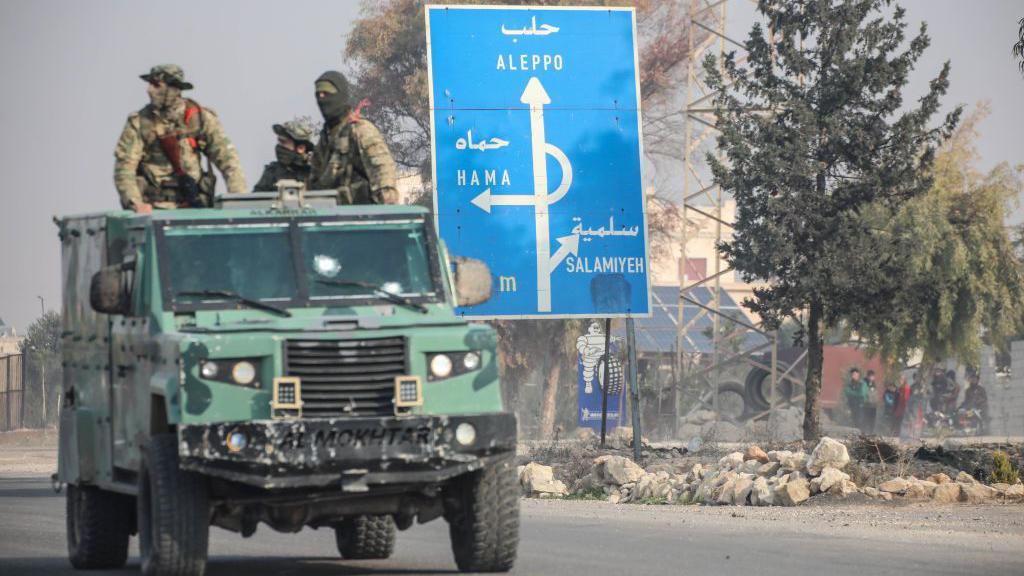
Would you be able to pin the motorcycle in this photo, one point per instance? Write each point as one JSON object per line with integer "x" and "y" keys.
{"x": 939, "y": 422}
{"x": 968, "y": 422}
{"x": 965, "y": 422}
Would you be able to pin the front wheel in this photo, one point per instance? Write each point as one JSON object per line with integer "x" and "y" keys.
{"x": 174, "y": 513}
{"x": 366, "y": 537}
{"x": 482, "y": 509}
{"x": 99, "y": 524}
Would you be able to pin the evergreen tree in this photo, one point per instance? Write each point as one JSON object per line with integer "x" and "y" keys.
{"x": 43, "y": 372}
{"x": 828, "y": 137}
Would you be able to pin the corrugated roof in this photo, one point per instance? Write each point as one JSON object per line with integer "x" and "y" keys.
{"x": 657, "y": 334}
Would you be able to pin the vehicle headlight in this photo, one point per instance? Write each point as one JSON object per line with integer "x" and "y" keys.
{"x": 243, "y": 373}
{"x": 237, "y": 441}
{"x": 471, "y": 361}
{"x": 209, "y": 370}
{"x": 240, "y": 371}
{"x": 465, "y": 434}
{"x": 440, "y": 366}
{"x": 450, "y": 364}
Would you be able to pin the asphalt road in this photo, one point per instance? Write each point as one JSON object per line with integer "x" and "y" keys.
{"x": 593, "y": 538}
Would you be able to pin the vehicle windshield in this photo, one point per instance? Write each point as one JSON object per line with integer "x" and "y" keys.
{"x": 312, "y": 263}
{"x": 252, "y": 262}
{"x": 394, "y": 259}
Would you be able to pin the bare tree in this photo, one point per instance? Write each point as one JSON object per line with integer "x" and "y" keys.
{"x": 1018, "y": 48}
{"x": 387, "y": 52}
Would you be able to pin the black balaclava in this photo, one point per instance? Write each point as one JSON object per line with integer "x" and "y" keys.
{"x": 333, "y": 105}
{"x": 291, "y": 158}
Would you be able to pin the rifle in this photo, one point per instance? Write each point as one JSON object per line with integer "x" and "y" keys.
{"x": 187, "y": 187}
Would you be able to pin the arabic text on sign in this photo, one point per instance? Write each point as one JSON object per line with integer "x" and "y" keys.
{"x": 533, "y": 30}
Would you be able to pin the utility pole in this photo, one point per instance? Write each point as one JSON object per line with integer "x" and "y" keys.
{"x": 42, "y": 306}
{"x": 634, "y": 388}
{"x": 604, "y": 379}
{"x": 39, "y": 354}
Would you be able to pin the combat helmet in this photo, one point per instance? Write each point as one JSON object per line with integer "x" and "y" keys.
{"x": 297, "y": 131}
{"x": 170, "y": 73}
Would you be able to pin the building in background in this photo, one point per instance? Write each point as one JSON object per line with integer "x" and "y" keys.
{"x": 10, "y": 342}
{"x": 700, "y": 256}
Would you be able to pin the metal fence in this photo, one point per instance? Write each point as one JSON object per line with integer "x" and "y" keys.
{"x": 12, "y": 392}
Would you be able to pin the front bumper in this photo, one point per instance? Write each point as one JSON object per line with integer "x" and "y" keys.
{"x": 353, "y": 453}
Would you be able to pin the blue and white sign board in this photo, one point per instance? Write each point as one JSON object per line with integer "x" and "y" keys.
{"x": 537, "y": 156}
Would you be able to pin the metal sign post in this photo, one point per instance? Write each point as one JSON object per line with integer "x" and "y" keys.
{"x": 605, "y": 382}
{"x": 634, "y": 387}
{"x": 537, "y": 156}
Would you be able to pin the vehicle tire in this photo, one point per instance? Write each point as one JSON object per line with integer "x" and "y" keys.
{"x": 366, "y": 537}
{"x": 174, "y": 513}
{"x": 482, "y": 510}
{"x": 615, "y": 375}
{"x": 99, "y": 524}
{"x": 732, "y": 402}
{"x": 758, "y": 389}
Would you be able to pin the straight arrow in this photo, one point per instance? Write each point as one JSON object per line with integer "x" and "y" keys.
{"x": 535, "y": 95}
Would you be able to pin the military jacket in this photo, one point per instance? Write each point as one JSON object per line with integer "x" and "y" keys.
{"x": 352, "y": 158}
{"x": 143, "y": 173}
{"x": 276, "y": 171}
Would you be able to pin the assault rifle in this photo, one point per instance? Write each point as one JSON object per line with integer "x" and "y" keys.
{"x": 187, "y": 187}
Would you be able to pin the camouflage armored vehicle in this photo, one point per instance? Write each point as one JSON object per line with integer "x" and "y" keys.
{"x": 277, "y": 360}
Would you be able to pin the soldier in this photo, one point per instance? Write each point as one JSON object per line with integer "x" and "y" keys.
{"x": 351, "y": 156}
{"x": 157, "y": 158}
{"x": 294, "y": 148}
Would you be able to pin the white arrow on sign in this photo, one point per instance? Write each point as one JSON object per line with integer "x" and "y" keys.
{"x": 485, "y": 200}
{"x": 537, "y": 97}
{"x": 568, "y": 245}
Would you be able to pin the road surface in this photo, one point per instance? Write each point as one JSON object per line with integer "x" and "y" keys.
{"x": 595, "y": 538}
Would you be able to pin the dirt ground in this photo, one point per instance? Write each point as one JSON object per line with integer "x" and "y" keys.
{"x": 28, "y": 453}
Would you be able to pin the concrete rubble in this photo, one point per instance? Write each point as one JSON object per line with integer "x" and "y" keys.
{"x": 754, "y": 477}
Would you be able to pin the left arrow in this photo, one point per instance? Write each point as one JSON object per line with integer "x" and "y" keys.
{"x": 485, "y": 200}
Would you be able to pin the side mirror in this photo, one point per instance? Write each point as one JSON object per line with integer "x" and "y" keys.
{"x": 108, "y": 291}
{"x": 472, "y": 281}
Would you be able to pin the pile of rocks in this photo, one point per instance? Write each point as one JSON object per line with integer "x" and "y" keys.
{"x": 538, "y": 481}
{"x": 753, "y": 477}
{"x": 756, "y": 478}
{"x": 943, "y": 489}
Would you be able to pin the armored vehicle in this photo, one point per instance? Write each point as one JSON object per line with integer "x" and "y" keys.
{"x": 281, "y": 360}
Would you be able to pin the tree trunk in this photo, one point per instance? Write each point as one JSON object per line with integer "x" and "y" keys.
{"x": 812, "y": 385}
{"x": 549, "y": 406}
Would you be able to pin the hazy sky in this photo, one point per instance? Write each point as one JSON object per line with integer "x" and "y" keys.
{"x": 69, "y": 71}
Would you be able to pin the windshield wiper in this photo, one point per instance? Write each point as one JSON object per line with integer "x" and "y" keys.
{"x": 238, "y": 298}
{"x": 380, "y": 291}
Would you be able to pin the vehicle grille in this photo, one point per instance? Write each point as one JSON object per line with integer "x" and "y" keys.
{"x": 346, "y": 377}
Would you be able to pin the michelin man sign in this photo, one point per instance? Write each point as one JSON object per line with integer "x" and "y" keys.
{"x": 591, "y": 378}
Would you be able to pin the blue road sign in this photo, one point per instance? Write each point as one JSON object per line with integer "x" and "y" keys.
{"x": 537, "y": 156}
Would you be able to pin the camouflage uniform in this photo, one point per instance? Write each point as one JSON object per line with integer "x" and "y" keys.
{"x": 351, "y": 155}
{"x": 287, "y": 167}
{"x": 142, "y": 171}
